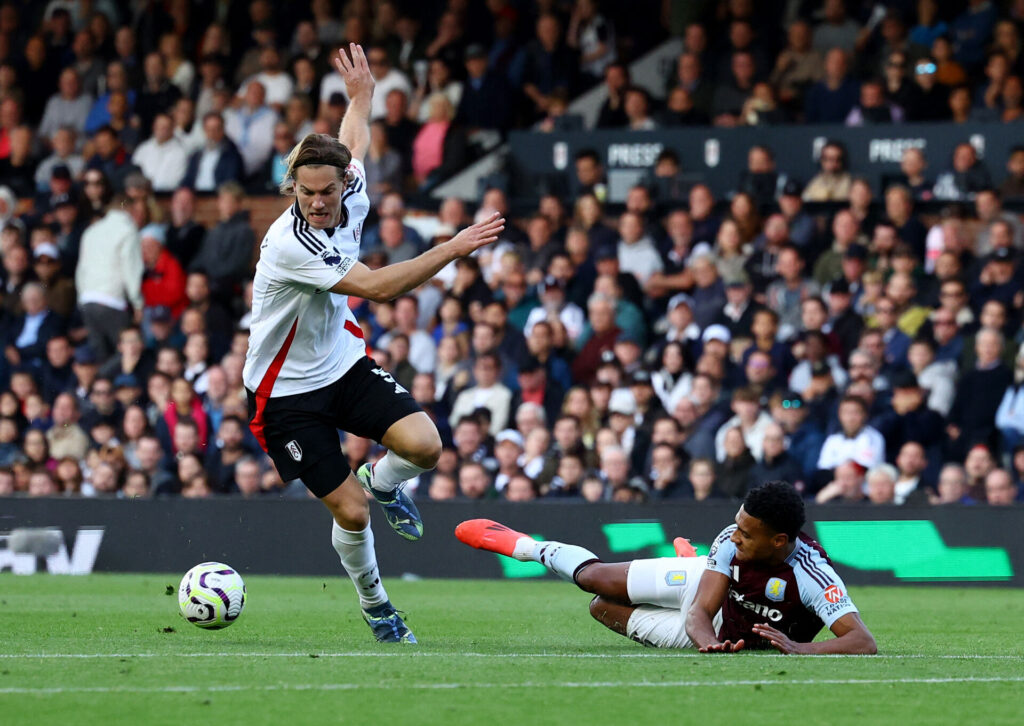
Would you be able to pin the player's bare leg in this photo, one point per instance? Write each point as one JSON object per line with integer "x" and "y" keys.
{"x": 613, "y": 615}
{"x": 414, "y": 446}
{"x": 353, "y": 541}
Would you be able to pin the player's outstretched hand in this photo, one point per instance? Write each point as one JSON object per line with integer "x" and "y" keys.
{"x": 355, "y": 70}
{"x": 778, "y": 639}
{"x": 726, "y": 647}
{"x": 482, "y": 233}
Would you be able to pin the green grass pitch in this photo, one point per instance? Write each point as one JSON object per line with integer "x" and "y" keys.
{"x": 110, "y": 649}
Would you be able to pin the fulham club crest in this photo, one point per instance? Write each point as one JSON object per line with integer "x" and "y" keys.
{"x": 294, "y": 449}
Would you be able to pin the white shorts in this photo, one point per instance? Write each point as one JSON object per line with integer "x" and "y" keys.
{"x": 663, "y": 590}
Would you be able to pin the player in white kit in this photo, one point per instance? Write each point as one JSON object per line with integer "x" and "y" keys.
{"x": 307, "y": 373}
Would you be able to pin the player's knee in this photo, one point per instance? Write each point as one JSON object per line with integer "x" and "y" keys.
{"x": 598, "y": 609}
{"x": 426, "y": 449}
{"x": 351, "y": 513}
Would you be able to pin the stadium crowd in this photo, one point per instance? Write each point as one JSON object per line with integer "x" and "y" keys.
{"x": 865, "y": 344}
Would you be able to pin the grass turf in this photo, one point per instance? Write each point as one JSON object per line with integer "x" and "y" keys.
{"x": 112, "y": 649}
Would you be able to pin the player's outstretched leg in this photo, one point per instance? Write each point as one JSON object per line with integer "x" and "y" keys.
{"x": 352, "y": 539}
{"x": 565, "y": 560}
{"x": 414, "y": 447}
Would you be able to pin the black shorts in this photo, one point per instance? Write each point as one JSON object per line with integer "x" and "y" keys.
{"x": 299, "y": 431}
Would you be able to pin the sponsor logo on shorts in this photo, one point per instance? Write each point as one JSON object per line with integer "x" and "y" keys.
{"x": 775, "y": 590}
{"x": 675, "y": 578}
{"x": 294, "y": 450}
{"x": 390, "y": 379}
{"x": 833, "y": 594}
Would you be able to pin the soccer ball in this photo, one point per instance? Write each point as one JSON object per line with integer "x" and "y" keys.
{"x": 211, "y": 595}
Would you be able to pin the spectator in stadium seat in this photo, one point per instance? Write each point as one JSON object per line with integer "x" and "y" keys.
{"x": 227, "y": 250}
{"x": 1000, "y": 490}
{"x": 797, "y": 66}
{"x": 116, "y": 81}
{"x": 979, "y": 393}
{"x": 856, "y": 440}
{"x": 836, "y": 29}
{"x": 927, "y": 98}
{"x": 831, "y": 99}
{"x": 157, "y": 94}
{"x": 28, "y": 334}
{"x": 432, "y": 144}
{"x": 690, "y": 76}
{"x": 988, "y": 207}
{"x": 952, "y": 486}
{"x": 616, "y": 81}
{"x": 68, "y": 107}
{"x": 251, "y": 127}
{"x": 1010, "y": 414}
{"x": 549, "y": 65}
{"x": 18, "y": 169}
{"x": 64, "y": 155}
{"x": 162, "y": 157}
{"x": 474, "y": 481}
{"x": 732, "y": 93}
{"x": 971, "y": 31}
{"x": 277, "y": 84}
{"x": 383, "y": 164}
{"x": 183, "y": 235}
{"x": 388, "y": 80}
{"x": 1012, "y": 187}
{"x": 967, "y": 176}
{"x": 422, "y": 349}
{"x": 218, "y": 162}
{"x": 66, "y": 437}
{"x": 488, "y": 392}
{"x": 832, "y": 182}
{"x": 214, "y": 319}
{"x": 881, "y": 484}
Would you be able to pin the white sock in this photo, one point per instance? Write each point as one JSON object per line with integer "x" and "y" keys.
{"x": 360, "y": 562}
{"x": 562, "y": 559}
{"x": 391, "y": 470}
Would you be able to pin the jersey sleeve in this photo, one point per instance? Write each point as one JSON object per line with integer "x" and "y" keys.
{"x": 354, "y": 199}
{"x": 823, "y": 592}
{"x": 722, "y": 552}
{"x": 297, "y": 264}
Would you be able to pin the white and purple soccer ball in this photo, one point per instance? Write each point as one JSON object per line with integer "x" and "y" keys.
{"x": 211, "y": 595}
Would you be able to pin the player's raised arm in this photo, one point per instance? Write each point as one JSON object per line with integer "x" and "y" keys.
{"x": 355, "y": 129}
{"x": 389, "y": 282}
{"x": 711, "y": 593}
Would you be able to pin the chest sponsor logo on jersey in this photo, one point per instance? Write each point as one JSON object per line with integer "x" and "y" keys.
{"x": 760, "y": 609}
{"x": 294, "y": 450}
{"x": 833, "y": 594}
{"x": 675, "y": 578}
{"x": 775, "y": 590}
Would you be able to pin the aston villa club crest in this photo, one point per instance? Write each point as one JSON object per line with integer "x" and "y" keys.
{"x": 775, "y": 590}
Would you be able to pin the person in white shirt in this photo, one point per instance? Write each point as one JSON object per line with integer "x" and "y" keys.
{"x": 251, "y": 127}
{"x": 109, "y": 278}
{"x": 306, "y": 372}
{"x": 489, "y": 392}
{"x": 388, "y": 79}
{"x": 162, "y": 157}
{"x": 422, "y": 349}
{"x": 752, "y": 422}
{"x": 637, "y": 253}
{"x": 277, "y": 84}
{"x": 856, "y": 441}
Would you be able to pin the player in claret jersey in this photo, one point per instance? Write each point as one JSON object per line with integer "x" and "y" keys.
{"x": 765, "y": 584}
{"x": 306, "y": 371}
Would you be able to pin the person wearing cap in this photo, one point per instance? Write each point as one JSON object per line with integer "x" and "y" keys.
{"x": 802, "y": 227}
{"x": 163, "y": 282}
{"x": 508, "y": 447}
{"x": 60, "y": 290}
{"x": 910, "y": 419}
{"x": 648, "y": 405}
{"x": 535, "y": 386}
{"x": 681, "y": 326}
{"x": 738, "y": 312}
{"x": 485, "y": 98}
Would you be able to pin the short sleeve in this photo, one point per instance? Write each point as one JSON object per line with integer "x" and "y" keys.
{"x": 355, "y": 199}
{"x": 722, "y": 552}
{"x": 320, "y": 271}
{"x": 824, "y": 593}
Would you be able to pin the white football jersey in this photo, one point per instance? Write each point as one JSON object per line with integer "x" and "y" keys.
{"x": 302, "y": 336}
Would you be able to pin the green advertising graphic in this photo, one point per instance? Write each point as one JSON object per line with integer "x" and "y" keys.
{"x": 912, "y": 549}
